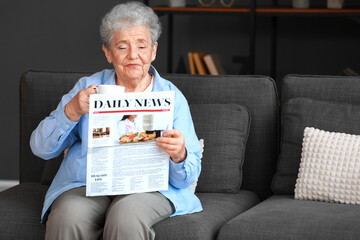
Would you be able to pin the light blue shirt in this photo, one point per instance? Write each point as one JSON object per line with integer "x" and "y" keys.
{"x": 56, "y": 133}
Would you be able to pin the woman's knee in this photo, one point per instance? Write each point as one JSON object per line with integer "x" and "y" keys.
{"x": 135, "y": 214}
{"x": 72, "y": 214}
{"x": 125, "y": 214}
{"x": 126, "y": 218}
{"x": 65, "y": 216}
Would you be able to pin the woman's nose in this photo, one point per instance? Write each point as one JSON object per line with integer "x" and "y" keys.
{"x": 133, "y": 53}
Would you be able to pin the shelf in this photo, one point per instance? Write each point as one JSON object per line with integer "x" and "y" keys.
{"x": 308, "y": 12}
{"x": 197, "y": 10}
{"x": 271, "y": 11}
{"x": 253, "y": 12}
{"x": 188, "y": 10}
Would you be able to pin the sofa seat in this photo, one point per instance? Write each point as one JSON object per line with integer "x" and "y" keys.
{"x": 20, "y": 208}
{"x": 219, "y": 208}
{"x": 283, "y": 217}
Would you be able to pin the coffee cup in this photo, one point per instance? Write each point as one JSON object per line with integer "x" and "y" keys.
{"x": 110, "y": 89}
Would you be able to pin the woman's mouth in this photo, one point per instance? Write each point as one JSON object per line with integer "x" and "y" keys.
{"x": 132, "y": 65}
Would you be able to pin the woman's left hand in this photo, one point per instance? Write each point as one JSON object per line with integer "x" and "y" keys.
{"x": 173, "y": 143}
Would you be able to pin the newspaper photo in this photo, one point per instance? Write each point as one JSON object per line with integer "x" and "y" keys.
{"x": 122, "y": 154}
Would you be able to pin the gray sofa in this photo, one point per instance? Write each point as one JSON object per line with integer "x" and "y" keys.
{"x": 245, "y": 191}
{"x": 324, "y": 102}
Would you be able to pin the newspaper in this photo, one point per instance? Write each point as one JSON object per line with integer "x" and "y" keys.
{"x": 122, "y": 155}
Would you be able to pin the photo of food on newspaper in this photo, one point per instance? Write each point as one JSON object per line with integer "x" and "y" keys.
{"x": 139, "y": 136}
{"x": 101, "y": 132}
{"x": 138, "y": 128}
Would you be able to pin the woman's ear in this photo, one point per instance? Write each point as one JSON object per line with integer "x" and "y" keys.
{"x": 107, "y": 53}
{"x": 153, "y": 54}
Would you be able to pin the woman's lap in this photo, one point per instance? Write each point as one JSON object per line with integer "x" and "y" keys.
{"x": 86, "y": 216}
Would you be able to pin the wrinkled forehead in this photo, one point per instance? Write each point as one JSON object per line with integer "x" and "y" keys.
{"x": 140, "y": 34}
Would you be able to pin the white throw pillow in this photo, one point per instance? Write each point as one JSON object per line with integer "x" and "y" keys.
{"x": 194, "y": 184}
{"x": 330, "y": 167}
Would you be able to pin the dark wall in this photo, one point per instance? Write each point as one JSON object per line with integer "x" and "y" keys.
{"x": 42, "y": 35}
{"x": 63, "y": 36}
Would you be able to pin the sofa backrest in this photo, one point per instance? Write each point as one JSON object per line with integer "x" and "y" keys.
{"x": 41, "y": 92}
{"x": 321, "y": 102}
{"x": 343, "y": 89}
{"x": 258, "y": 94}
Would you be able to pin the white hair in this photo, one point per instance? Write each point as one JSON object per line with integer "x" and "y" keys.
{"x": 129, "y": 15}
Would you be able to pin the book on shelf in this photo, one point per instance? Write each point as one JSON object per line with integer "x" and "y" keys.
{"x": 203, "y": 63}
{"x": 199, "y": 63}
{"x": 191, "y": 63}
{"x": 213, "y": 64}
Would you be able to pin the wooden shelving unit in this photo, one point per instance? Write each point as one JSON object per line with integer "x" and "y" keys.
{"x": 307, "y": 12}
{"x": 170, "y": 12}
{"x": 201, "y": 10}
{"x": 254, "y": 12}
{"x": 276, "y": 12}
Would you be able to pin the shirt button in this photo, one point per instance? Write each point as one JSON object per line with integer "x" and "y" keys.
{"x": 67, "y": 125}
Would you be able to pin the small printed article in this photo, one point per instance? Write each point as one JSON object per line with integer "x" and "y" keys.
{"x": 122, "y": 155}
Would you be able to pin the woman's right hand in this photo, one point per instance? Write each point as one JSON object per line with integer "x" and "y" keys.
{"x": 79, "y": 105}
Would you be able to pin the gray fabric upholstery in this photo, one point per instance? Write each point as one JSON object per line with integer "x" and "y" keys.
{"x": 219, "y": 208}
{"x": 225, "y": 133}
{"x": 20, "y": 209}
{"x": 50, "y": 169}
{"x": 335, "y": 89}
{"x": 342, "y": 89}
{"x": 40, "y": 94}
{"x": 281, "y": 218}
{"x": 259, "y": 96}
{"x": 298, "y": 113}
{"x": 259, "y": 165}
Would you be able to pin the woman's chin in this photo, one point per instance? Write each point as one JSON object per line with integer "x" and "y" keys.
{"x": 133, "y": 73}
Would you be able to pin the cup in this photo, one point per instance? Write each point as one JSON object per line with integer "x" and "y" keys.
{"x": 110, "y": 89}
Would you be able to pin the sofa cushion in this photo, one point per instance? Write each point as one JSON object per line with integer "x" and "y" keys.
{"x": 224, "y": 128}
{"x": 194, "y": 184}
{"x": 329, "y": 167}
{"x": 219, "y": 208}
{"x": 258, "y": 94}
{"x": 41, "y": 92}
{"x": 20, "y": 209}
{"x": 50, "y": 169}
{"x": 297, "y": 114}
{"x": 281, "y": 217}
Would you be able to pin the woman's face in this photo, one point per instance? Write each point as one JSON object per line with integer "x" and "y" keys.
{"x": 132, "y": 117}
{"x": 131, "y": 53}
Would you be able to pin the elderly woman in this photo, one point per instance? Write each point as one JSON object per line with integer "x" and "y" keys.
{"x": 129, "y": 33}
